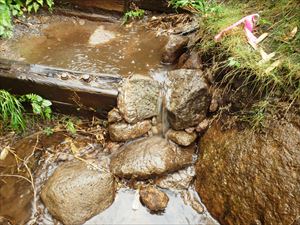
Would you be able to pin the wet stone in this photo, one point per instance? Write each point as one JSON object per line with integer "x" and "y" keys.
{"x": 179, "y": 180}
{"x": 138, "y": 98}
{"x": 181, "y": 137}
{"x": 101, "y": 36}
{"x": 203, "y": 126}
{"x": 190, "y": 197}
{"x": 188, "y": 98}
{"x": 154, "y": 199}
{"x": 149, "y": 157}
{"x": 174, "y": 49}
{"x": 246, "y": 177}
{"x": 193, "y": 62}
{"x": 76, "y": 192}
{"x": 124, "y": 131}
{"x": 114, "y": 116}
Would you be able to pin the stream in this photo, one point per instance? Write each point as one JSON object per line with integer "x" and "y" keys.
{"x": 96, "y": 47}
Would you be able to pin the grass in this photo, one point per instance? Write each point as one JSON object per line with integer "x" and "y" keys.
{"x": 11, "y": 111}
{"x": 277, "y": 77}
{"x": 232, "y": 58}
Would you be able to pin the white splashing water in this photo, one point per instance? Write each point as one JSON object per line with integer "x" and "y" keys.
{"x": 161, "y": 77}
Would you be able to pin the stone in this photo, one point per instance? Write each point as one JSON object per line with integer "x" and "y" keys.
{"x": 190, "y": 197}
{"x": 190, "y": 130}
{"x": 75, "y": 192}
{"x": 246, "y": 177}
{"x": 193, "y": 62}
{"x": 179, "y": 180}
{"x": 138, "y": 98}
{"x": 181, "y": 137}
{"x": 154, "y": 199}
{"x": 114, "y": 116}
{"x": 202, "y": 127}
{"x": 150, "y": 157}
{"x": 174, "y": 49}
{"x": 124, "y": 131}
{"x": 101, "y": 36}
{"x": 216, "y": 98}
{"x": 214, "y": 105}
{"x": 187, "y": 98}
{"x": 182, "y": 59}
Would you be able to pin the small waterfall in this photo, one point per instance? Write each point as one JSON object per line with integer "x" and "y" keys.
{"x": 162, "y": 119}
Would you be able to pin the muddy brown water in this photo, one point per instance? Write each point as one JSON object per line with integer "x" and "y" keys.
{"x": 98, "y": 47}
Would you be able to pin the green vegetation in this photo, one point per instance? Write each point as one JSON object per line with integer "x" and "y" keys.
{"x": 199, "y": 6}
{"x": 12, "y": 111}
{"x": 69, "y": 125}
{"x": 233, "y": 59}
{"x": 133, "y": 14}
{"x": 277, "y": 77}
{"x": 10, "y": 8}
{"x": 39, "y": 105}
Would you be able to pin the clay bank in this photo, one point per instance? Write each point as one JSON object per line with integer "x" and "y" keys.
{"x": 157, "y": 144}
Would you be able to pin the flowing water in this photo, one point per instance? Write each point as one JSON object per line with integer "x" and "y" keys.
{"x": 18, "y": 204}
{"x": 88, "y": 47}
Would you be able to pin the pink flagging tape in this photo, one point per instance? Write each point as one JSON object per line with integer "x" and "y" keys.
{"x": 249, "y": 24}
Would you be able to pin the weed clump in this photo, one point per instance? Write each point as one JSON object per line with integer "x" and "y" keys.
{"x": 12, "y": 111}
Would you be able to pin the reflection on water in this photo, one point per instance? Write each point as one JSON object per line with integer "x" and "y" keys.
{"x": 94, "y": 47}
{"x": 122, "y": 212}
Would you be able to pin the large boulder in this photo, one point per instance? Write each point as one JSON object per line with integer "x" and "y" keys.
{"x": 188, "y": 98}
{"x": 174, "y": 48}
{"x": 251, "y": 178}
{"x": 76, "y": 192}
{"x": 149, "y": 157}
{"x": 124, "y": 131}
{"x": 138, "y": 98}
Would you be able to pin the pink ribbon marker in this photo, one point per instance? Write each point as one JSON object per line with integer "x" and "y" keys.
{"x": 249, "y": 24}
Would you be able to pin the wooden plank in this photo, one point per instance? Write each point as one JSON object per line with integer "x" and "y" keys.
{"x": 110, "y": 5}
{"x": 86, "y": 15}
{"x": 79, "y": 97}
{"x": 118, "y": 5}
{"x": 152, "y": 5}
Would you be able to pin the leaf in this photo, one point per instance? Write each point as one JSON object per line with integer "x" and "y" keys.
{"x": 41, "y": 2}
{"x": 28, "y": 2}
{"x": 46, "y": 103}
{"x": 29, "y": 8}
{"x": 36, "y": 6}
{"x": 4, "y": 153}
{"x": 50, "y": 3}
{"x": 37, "y": 109}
